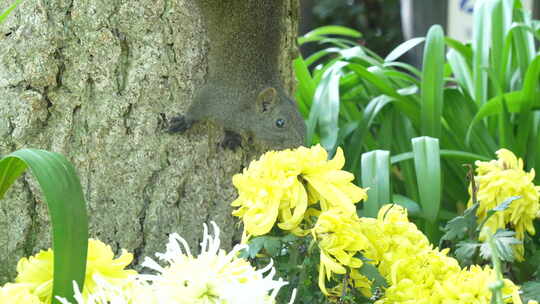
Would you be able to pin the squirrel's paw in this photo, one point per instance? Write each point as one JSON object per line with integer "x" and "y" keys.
{"x": 231, "y": 140}
{"x": 179, "y": 124}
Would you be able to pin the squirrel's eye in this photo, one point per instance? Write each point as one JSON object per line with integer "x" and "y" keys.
{"x": 280, "y": 123}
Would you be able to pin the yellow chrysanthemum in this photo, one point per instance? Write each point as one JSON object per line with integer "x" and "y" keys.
{"x": 397, "y": 238}
{"x": 418, "y": 273}
{"x": 269, "y": 186}
{"x": 500, "y": 179}
{"x": 17, "y": 293}
{"x": 472, "y": 286}
{"x": 37, "y": 271}
{"x": 327, "y": 183}
{"x": 281, "y": 185}
{"x": 339, "y": 236}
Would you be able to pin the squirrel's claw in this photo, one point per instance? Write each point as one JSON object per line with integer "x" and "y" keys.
{"x": 179, "y": 124}
{"x": 231, "y": 140}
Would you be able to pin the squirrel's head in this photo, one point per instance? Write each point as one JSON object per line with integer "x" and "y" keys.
{"x": 278, "y": 122}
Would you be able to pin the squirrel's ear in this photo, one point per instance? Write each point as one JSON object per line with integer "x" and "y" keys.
{"x": 267, "y": 99}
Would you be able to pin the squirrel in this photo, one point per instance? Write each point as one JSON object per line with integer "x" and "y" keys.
{"x": 242, "y": 91}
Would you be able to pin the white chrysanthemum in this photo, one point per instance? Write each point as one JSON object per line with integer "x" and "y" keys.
{"x": 106, "y": 293}
{"x": 212, "y": 277}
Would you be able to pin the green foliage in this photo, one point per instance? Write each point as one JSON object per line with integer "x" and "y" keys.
{"x": 64, "y": 197}
{"x": 473, "y": 98}
{"x": 369, "y": 16}
{"x": 464, "y": 232}
{"x": 297, "y": 262}
{"x": 531, "y": 291}
{"x": 408, "y": 132}
{"x": 503, "y": 240}
{"x": 376, "y": 177}
{"x": 461, "y": 226}
{"x": 497, "y": 286}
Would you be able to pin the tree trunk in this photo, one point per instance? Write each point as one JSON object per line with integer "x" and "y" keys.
{"x": 98, "y": 81}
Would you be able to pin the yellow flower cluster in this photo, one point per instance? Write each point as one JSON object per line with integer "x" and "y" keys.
{"x": 339, "y": 238}
{"x": 418, "y": 273}
{"x": 286, "y": 186}
{"x": 35, "y": 274}
{"x": 500, "y": 179}
{"x": 282, "y": 185}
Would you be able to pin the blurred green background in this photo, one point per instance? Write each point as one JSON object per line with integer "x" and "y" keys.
{"x": 378, "y": 20}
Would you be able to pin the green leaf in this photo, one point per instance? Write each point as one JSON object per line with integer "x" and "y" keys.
{"x": 413, "y": 209}
{"x": 65, "y": 200}
{"x": 529, "y": 100}
{"x": 450, "y": 154}
{"x": 403, "y": 103}
{"x": 501, "y": 20}
{"x": 371, "y": 111}
{"x": 324, "y": 113}
{"x": 320, "y": 54}
{"x": 494, "y": 106}
{"x": 289, "y": 238}
{"x": 407, "y": 67}
{"x": 531, "y": 291}
{"x": 462, "y": 49}
{"x": 504, "y": 205}
{"x": 523, "y": 42}
{"x": 376, "y": 177}
{"x": 480, "y": 45}
{"x": 461, "y": 226}
{"x": 461, "y": 70}
{"x": 306, "y": 86}
{"x": 403, "y": 48}
{"x": 427, "y": 164}
{"x": 466, "y": 250}
{"x": 9, "y": 10}
{"x": 272, "y": 245}
{"x": 255, "y": 245}
{"x": 533, "y": 154}
{"x": 372, "y": 273}
{"x": 320, "y": 33}
{"x": 432, "y": 83}
{"x": 501, "y": 207}
{"x": 504, "y": 241}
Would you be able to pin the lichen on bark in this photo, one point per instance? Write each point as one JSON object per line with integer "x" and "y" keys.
{"x": 97, "y": 80}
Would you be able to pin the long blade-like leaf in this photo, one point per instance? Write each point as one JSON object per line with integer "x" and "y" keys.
{"x": 306, "y": 86}
{"x": 64, "y": 197}
{"x": 481, "y": 34}
{"x": 450, "y": 154}
{"x": 403, "y": 48}
{"x": 461, "y": 70}
{"x": 529, "y": 99}
{"x": 405, "y": 105}
{"x": 321, "y": 33}
{"x": 427, "y": 163}
{"x": 501, "y": 20}
{"x": 370, "y": 112}
{"x": 433, "y": 82}
{"x": 376, "y": 177}
{"x": 325, "y": 110}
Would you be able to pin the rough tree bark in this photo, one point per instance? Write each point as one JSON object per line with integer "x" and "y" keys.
{"x": 97, "y": 80}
